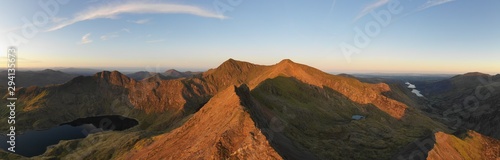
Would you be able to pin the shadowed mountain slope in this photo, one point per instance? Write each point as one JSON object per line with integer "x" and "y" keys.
{"x": 319, "y": 120}
{"x": 469, "y": 101}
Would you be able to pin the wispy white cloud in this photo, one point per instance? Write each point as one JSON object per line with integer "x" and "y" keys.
{"x": 155, "y": 41}
{"x": 141, "y": 7}
{"x": 140, "y": 21}
{"x": 86, "y": 39}
{"x": 371, "y": 7}
{"x": 114, "y": 34}
{"x": 432, "y": 3}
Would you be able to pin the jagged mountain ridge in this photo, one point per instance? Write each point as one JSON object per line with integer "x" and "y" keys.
{"x": 109, "y": 93}
{"x": 233, "y": 135}
{"x": 221, "y": 134}
{"x": 235, "y": 72}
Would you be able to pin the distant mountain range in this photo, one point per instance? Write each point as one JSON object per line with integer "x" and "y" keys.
{"x": 52, "y": 77}
{"x": 79, "y": 71}
{"x": 38, "y": 78}
{"x": 469, "y": 101}
{"x": 169, "y": 74}
{"x": 288, "y": 110}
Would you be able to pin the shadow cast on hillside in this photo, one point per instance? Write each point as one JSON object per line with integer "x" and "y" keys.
{"x": 418, "y": 150}
{"x": 274, "y": 127}
{"x": 282, "y": 144}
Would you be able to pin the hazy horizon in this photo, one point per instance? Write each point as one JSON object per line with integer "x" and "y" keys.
{"x": 163, "y": 69}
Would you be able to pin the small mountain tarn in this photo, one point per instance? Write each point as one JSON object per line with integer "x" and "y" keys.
{"x": 35, "y": 142}
{"x": 106, "y": 123}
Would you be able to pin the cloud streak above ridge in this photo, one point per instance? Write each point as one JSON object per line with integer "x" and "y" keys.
{"x": 432, "y": 3}
{"x": 371, "y": 7}
{"x": 112, "y": 11}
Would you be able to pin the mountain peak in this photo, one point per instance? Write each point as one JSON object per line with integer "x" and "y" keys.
{"x": 171, "y": 71}
{"x": 232, "y": 62}
{"x": 113, "y": 77}
{"x": 470, "y": 75}
{"x": 475, "y": 74}
{"x": 286, "y": 61}
{"x": 235, "y": 65}
{"x": 156, "y": 77}
{"x": 106, "y": 73}
{"x": 49, "y": 70}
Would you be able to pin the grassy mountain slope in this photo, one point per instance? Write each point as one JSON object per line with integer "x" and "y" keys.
{"x": 469, "y": 101}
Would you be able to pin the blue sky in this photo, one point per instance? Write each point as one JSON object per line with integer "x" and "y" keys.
{"x": 427, "y": 36}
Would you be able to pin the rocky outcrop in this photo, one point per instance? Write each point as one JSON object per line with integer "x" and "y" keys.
{"x": 472, "y": 146}
{"x": 443, "y": 146}
{"x": 222, "y": 129}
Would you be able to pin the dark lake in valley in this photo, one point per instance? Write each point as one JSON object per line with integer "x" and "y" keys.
{"x": 35, "y": 142}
